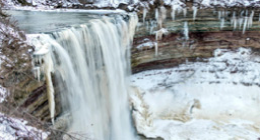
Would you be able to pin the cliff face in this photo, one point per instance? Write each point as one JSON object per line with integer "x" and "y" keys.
{"x": 30, "y": 97}
{"x": 35, "y": 101}
{"x": 22, "y": 92}
{"x": 192, "y": 37}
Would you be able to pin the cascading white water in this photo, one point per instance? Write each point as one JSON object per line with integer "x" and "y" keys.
{"x": 93, "y": 61}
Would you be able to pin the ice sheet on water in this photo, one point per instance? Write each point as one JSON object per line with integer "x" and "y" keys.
{"x": 200, "y": 97}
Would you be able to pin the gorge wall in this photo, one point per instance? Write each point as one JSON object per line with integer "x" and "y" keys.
{"x": 207, "y": 31}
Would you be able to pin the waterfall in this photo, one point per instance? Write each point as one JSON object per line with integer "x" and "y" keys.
{"x": 94, "y": 63}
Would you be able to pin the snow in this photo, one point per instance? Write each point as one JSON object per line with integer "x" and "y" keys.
{"x": 13, "y": 128}
{"x": 217, "y": 99}
{"x": 41, "y": 47}
{"x": 48, "y": 5}
{"x": 148, "y": 44}
{"x": 158, "y": 36}
{"x": 42, "y": 4}
{"x": 3, "y": 93}
{"x": 96, "y": 11}
{"x": 6, "y": 31}
{"x": 160, "y": 33}
{"x": 228, "y": 3}
{"x": 132, "y": 4}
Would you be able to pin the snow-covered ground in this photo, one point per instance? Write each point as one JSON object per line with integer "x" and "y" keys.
{"x": 3, "y": 93}
{"x": 39, "y": 4}
{"x": 132, "y": 4}
{"x": 13, "y": 129}
{"x": 2, "y": 89}
{"x": 218, "y": 99}
{"x": 10, "y": 31}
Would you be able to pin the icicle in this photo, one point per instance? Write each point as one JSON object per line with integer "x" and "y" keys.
{"x": 37, "y": 73}
{"x": 195, "y": 10}
{"x": 222, "y": 23}
{"x": 186, "y": 31}
{"x": 157, "y": 15}
{"x": 144, "y": 14}
{"x": 240, "y": 22}
{"x": 259, "y": 17}
{"x": 156, "y": 48}
{"x": 163, "y": 13}
{"x": 184, "y": 12}
{"x": 158, "y": 36}
{"x": 223, "y": 14}
{"x": 138, "y": 26}
{"x": 245, "y": 25}
{"x": 173, "y": 12}
{"x": 152, "y": 25}
{"x": 48, "y": 69}
{"x": 246, "y": 13}
{"x": 250, "y": 20}
{"x": 235, "y": 24}
{"x": 160, "y": 15}
{"x": 219, "y": 14}
{"x": 147, "y": 25}
{"x": 160, "y": 33}
{"x": 226, "y": 13}
{"x": 233, "y": 20}
{"x": 40, "y": 59}
{"x": 241, "y": 14}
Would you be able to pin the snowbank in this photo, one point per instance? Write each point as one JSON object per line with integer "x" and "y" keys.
{"x": 132, "y": 4}
{"x": 200, "y": 101}
{"x": 12, "y": 129}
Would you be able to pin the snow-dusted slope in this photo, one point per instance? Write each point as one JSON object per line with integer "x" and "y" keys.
{"x": 218, "y": 99}
{"x": 13, "y": 129}
{"x": 47, "y": 4}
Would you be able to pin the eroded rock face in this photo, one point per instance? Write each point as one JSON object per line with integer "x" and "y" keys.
{"x": 33, "y": 99}
{"x": 206, "y": 31}
{"x": 173, "y": 52}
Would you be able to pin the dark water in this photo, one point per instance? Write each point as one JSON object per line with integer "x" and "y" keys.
{"x": 48, "y": 21}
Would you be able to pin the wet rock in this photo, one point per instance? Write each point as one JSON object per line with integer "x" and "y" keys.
{"x": 123, "y": 6}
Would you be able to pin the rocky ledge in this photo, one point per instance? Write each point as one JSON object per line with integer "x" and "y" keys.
{"x": 191, "y": 37}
